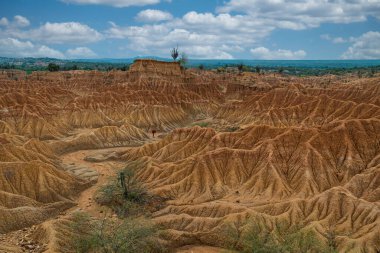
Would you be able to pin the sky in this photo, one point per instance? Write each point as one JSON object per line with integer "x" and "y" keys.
{"x": 203, "y": 29}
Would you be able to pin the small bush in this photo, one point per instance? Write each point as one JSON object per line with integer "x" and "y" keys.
{"x": 232, "y": 129}
{"x": 221, "y": 70}
{"x": 107, "y": 235}
{"x": 258, "y": 238}
{"x": 202, "y": 124}
{"x": 130, "y": 198}
{"x": 113, "y": 196}
{"x": 331, "y": 239}
{"x": 82, "y": 225}
{"x": 183, "y": 60}
{"x": 258, "y": 69}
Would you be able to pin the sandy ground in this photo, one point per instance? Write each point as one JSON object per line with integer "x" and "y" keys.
{"x": 199, "y": 249}
{"x": 106, "y": 170}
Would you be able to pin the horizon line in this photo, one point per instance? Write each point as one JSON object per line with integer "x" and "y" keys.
{"x": 190, "y": 59}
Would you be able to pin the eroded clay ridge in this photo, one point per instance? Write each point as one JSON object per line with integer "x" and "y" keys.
{"x": 274, "y": 148}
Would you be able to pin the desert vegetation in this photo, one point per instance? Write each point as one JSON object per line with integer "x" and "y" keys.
{"x": 283, "y": 237}
{"x": 126, "y": 196}
{"x": 174, "y": 53}
{"x": 113, "y": 236}
{"x": 130, "y": 230}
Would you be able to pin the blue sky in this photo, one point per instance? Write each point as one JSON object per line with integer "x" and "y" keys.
{"x": 212, "y": 29}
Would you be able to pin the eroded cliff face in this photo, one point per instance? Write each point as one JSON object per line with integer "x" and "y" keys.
{"x": 305, "y": 150}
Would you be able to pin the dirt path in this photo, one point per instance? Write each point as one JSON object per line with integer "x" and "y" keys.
{"x": 105, "y": 171}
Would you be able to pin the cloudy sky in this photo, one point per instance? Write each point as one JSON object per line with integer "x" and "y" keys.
{"x": 212, "y": 29}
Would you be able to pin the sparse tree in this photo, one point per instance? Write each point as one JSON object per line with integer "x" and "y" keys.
{"x": 360, "y": 74}
{"x": 126, "y": 181}
{"x": 258, "y": 69}
{"x": 240, "y": 67}
{"x": 183, "y": 60}
{"x": 221, "y": 69}
{"x": 372, "y": 72}
{"x": 201, "y": 67}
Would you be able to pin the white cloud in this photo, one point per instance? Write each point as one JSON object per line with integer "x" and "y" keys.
{"x": 296, "y": 14}
{"x": 80, "y": 52}
{"x": 50, "y": 33}
{"x": 4, "y": 21}
{"x": 364, "y": 47}
{"x": 263, "y": 53}
{"x": 17, "y": 22}
{"x": 45, "y": 51}
{"x": 11, "y": 47}
{"x": 207, "y": 52}
{"x": 200, "y": 35}
{"x": 239, "y": 23}
{"x": 325, "y": 37}
{"x": 15, "y": 48}
{"x": 59, "y": 33}
{"x": 336, "y": 40}
{"x": 115, "y": 3}
{"x": 223, "y": 20}
{"x": 158, "y": 39}
{"x": 21, "y": 21}
{"x": 153, "y": 15}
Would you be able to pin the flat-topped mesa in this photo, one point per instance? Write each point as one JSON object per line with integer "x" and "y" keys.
{"x": 153, "y": 68}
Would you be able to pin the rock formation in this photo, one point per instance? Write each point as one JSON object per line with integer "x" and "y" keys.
{"x": 305, "y": 150}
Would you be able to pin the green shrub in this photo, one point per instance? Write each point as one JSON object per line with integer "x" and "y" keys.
{"x": 284, "y": 238}
{"x": 109, "y": 235}
{"x": 232, "y": 129}
{"x": 331, "y": 239}
{"x": 258, "y": 69}
{"x": 202, "y": 124}
{"x": 221, "y": 70}
{"x": 129, "y": 198}
{"x": 81, "y": 239}
{"x": 52, "y": 67}
{"x": 113, "y": 196}
{"x": 183, "y": 60}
